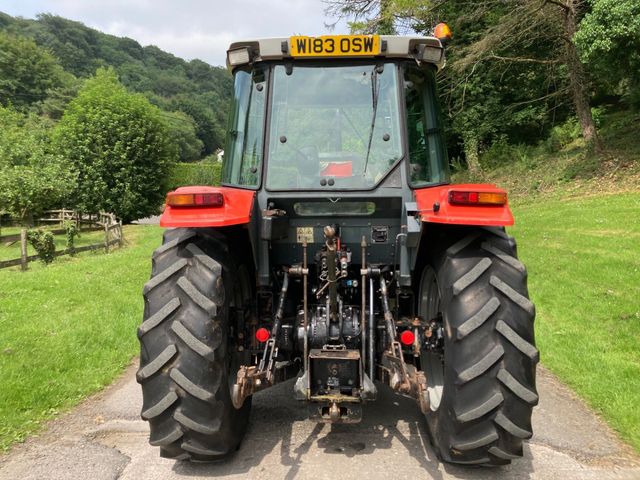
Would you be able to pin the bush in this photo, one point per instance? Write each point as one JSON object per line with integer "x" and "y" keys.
{"x": 501, "y": 152}
{"x": 72, "y": 231}
{"x": 43, "y": 243}
{"x": 201, "y": 173}
{"x": 119, "y": 144}
{"x": 563, "y": 135}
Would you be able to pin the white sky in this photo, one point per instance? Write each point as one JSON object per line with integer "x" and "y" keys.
{"x": 187, "y": 28}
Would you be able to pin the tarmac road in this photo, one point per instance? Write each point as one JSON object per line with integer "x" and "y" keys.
{"x": 104, "y": 438}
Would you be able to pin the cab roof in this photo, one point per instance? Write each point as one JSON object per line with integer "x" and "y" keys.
{"x": 421, "y": 49}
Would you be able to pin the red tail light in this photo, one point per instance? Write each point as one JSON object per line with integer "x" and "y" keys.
{"x": 203, "y": 199}
{"x": 407, "y": 337}
{"x": 262, "y": 335}
{"x": 457, "y": 197}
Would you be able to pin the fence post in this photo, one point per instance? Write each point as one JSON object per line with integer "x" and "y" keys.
{"x": 120, "y": 232}
{"x": 23, "y": 249}
{"x": 106, "y": 238}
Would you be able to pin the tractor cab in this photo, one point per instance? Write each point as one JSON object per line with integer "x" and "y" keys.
{"x": 309, "y": 115}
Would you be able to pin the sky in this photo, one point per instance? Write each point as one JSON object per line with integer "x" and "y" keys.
{"x": 187, "y": 28}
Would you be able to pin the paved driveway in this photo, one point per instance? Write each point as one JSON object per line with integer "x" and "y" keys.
{"x": 105, "y": 439}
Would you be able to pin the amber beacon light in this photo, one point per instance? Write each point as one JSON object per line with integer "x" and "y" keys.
{"x": 442, "y": 32}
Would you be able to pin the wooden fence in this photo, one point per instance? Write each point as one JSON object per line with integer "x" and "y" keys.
{"x": 102, "y": 221}
{"x": 85, "y": 222}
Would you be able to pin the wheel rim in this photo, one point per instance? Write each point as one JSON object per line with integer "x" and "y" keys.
{"x": 432, "y": 362}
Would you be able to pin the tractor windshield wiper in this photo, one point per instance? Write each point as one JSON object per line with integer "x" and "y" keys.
{"x": 375, "y": 91}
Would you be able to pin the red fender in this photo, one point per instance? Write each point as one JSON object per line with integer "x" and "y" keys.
{"x": 235, "y": 210}
{"x": 434, "y": 206}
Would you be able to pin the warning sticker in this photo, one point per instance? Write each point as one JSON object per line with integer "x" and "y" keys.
{"x": 304, "y": 234}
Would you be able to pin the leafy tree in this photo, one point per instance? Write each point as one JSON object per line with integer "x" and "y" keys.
{"x": 195, "y": 88}
{"x": 503, "y": 73}
{"x": 32, "y": 178}
{"x": 119, "y": 145}
{"x": 207, "y": 126}
{"x": 609, "y": 42}
{"x": 54, "y": 105}
{"x": 182, "y": 130}
{"x": 74, "y": 44}
{"x": 27, "y": 72}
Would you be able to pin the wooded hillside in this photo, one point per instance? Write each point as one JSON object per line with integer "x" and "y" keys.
{"x": 193, "y": 95}
{"x": 96, "y": 122}
{"x": 521, "y": 71}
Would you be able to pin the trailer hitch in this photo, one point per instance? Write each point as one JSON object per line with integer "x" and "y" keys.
{"x": 268, "y": 372}
{"x": 404, "y": 378}
{"x": 251, "y": 379}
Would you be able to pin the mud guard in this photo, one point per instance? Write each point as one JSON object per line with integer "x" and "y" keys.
{"x": 433, "y": 206}
{"x": 236, "y": 209}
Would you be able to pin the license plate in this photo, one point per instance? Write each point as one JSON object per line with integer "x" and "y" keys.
{"x": 335, "y": 46}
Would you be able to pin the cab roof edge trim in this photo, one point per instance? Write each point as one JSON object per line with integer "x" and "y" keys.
{"x": 396, "y": 47}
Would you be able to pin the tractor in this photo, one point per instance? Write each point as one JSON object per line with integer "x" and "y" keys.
{"x": 337, "y": 254}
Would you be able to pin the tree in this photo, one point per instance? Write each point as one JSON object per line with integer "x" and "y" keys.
{"x": 499, "y": 40}
{"x": 207, "y": 128}
{"x": 74, "y": 44}
{"x": 32, "y": 177}
{"x": 27, "y": 72}
{"x": 119, "y": 145}
{"x": 182, "y": 130}
{"x": 609, "y": 42}
{"x": 195, "y": 88}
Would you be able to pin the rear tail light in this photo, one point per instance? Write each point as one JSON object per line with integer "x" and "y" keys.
{"x": 407, "y": 337}
{"x": 209, "y": 199}
{"x": 262, "y": 335}
{"x": 457, "y": 197}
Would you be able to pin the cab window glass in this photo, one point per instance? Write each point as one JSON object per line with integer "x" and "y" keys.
{"x": 427, "y": 155}
{"x": 243, "y": 153}
{"x": 333, "y": 127}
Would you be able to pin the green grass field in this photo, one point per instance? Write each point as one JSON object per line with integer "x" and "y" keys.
{"x": 68, "y": 329}
{"x": 583, "y": 258}
{"x": 10, "y": 251}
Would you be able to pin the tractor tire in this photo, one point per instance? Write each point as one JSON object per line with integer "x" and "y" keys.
{"x": 483, "y": 390}
{"x": 185, "y": 367}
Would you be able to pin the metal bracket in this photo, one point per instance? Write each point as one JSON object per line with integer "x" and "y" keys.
{"x": 405, "y": 378}
{"x": 252, "y": 379}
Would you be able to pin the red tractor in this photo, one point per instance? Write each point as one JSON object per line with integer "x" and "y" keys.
{"x": 337, "y": 253}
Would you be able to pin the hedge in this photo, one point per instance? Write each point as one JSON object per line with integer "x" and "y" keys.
{"x": 200, "y": 173}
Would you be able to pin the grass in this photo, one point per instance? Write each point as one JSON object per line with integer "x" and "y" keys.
{"x": 68, "y": 329}
{"x": 9, "y": 230}
{"x": 583, "y": 258}
{"x": 10, "y": 251}
{"x": 534, "y": 172}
